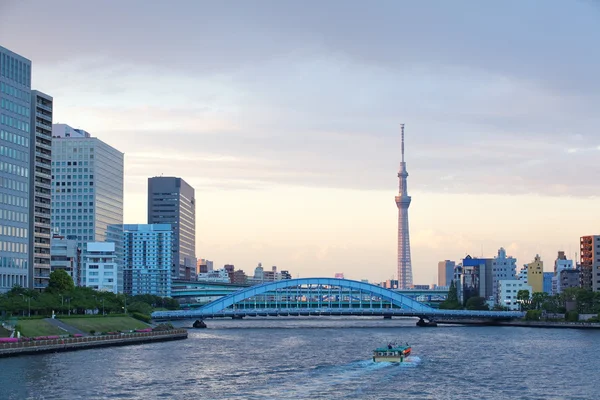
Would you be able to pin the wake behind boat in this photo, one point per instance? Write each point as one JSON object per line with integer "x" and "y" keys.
{"x": 392, "y": 353}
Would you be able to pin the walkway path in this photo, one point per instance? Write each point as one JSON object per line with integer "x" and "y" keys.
{"x": 64, "y": 327}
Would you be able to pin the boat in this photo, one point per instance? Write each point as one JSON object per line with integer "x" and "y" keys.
{"x": 392, "y": 353}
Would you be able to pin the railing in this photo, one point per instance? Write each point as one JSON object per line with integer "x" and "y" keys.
{"x": 86, "y": 339}
{"x": 339, "y": 312}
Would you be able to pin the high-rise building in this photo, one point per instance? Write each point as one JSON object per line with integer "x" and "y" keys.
{"x": 503, "y": 267}
{"x": 405, "y": 279}
{"x": 66, "y": 256}
{"x": 172, "y": 201}
{"x": 15, "y": 142}
{"x": 87, "y": 189}
{"x": 590, "y": 262}
{"x": 40, "y": 189}
{"x": 100, "y": 266}
{"x": 535, "y": 274}
{"x": 445, "y": 272}
{"x": 147, "y": 259}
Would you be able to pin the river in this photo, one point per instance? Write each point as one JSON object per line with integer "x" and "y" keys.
{"x": 320, "y": 358}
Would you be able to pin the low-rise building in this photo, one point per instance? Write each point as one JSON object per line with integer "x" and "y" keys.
{"x": 569, "y": 278}
{"x": 238, "y": 277}
{"x": 100, "y": 266}
{"x": 508, "y": 291}
{"x": 219, "y": 276}
{"x": 535, "y": 274}
{"x": 65, "y": 255}
{"x": 503, "y": 267}
{"x": 560, "y": 264}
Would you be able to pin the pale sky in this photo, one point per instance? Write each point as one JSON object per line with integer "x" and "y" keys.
{"x": 284, "y": 116}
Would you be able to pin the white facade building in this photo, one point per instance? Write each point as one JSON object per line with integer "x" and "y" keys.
{"x": 503, "y": 268}
{"x": 219, "y": 275}
{"x": 100, "y": 266}
{"x": 87, "y": 189}
{"x": 507, "y": 293}
{"x": 522, "y": 275}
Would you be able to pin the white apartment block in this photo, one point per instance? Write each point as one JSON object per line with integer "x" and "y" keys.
{"x": 507, "y": 293}
{"x": 100, "y": 266}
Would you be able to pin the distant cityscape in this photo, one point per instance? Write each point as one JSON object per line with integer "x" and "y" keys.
{"x": 62, "y": 202}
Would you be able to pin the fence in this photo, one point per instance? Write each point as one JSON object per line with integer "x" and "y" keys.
{"x": 123, "y": 337}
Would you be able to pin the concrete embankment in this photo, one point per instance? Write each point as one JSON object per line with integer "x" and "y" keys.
{"x": 88, "y": 342}
{"x": 524, "y": 324}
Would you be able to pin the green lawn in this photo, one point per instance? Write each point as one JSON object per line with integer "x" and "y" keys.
{"x": 105, "y": 324}
{"x": 38, "y": 327}
{"x": 4, "y": 332}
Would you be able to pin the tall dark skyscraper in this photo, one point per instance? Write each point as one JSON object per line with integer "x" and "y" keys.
{"x": 403, "y": 202}
{"x": 171, "y": 201}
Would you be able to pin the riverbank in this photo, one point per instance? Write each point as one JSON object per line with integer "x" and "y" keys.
{"x": 87, "y": 342}
{"x": 524, "y": 324}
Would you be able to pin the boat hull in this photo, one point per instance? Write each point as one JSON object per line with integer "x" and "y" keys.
{"x": 388, "y": 359}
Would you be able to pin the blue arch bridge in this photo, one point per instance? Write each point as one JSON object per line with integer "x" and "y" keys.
{"x": 324, "y": 297}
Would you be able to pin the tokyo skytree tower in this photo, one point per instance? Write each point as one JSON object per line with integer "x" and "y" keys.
{"x": 405, "y": 280}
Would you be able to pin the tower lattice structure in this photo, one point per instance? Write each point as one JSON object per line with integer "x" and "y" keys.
{"x": 405, "y": 280}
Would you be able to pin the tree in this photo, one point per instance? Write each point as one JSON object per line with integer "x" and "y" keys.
{"x": 476, "y": 303}
{"x": 140, "y": 307}
{"x": 451, "y": 302}
{"x": 523, "y": 298}
{"x": 538, "y": 299}
{"x": 60, "y": 282}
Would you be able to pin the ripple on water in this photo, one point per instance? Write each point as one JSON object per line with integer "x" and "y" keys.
{"x": 320, "y": 358}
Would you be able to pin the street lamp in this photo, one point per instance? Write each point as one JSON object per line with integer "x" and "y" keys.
{"x": 102, "y": 306}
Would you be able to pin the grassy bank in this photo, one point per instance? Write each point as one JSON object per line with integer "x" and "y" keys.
{"x": 38, "y": 327}
{"x": 105, "y": 324}
{"x": 4, "y": 332}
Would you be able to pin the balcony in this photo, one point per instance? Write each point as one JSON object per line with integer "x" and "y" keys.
{"x": 43, "y": 125}
{"x": 43, "y": 107}
{"x": 43, "y": 145}
{"x": 43, "y": 185}
{"x": 42, "y": 235}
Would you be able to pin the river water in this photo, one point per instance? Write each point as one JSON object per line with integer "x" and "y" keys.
{"x": 320, "y": 358}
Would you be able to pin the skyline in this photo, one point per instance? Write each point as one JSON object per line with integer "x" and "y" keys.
{"x": 303, "y": 126}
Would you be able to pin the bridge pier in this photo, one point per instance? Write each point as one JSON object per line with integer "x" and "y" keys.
{"x": 425, "y": 324}
{"x": 237, "y": 317}
{"x": 199, "y": 324}
{"x": 387, "y": 317}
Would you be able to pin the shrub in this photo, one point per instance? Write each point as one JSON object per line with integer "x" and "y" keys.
{"x": 533, "y": 315}
{"x": 572, "y": 316}
{"x": 92, "y": 332}
{"x": 142, "y": 317}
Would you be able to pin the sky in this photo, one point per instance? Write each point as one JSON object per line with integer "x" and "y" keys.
{"x": 284, "y": 116}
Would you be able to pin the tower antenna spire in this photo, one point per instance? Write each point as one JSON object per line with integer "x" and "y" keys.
{"x": 402, "y": 130}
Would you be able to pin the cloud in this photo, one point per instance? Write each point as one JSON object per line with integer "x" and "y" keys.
{"x": 498, "y": 110}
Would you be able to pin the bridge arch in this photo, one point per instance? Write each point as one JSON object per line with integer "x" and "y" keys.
{"x": 393, "y": 297}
